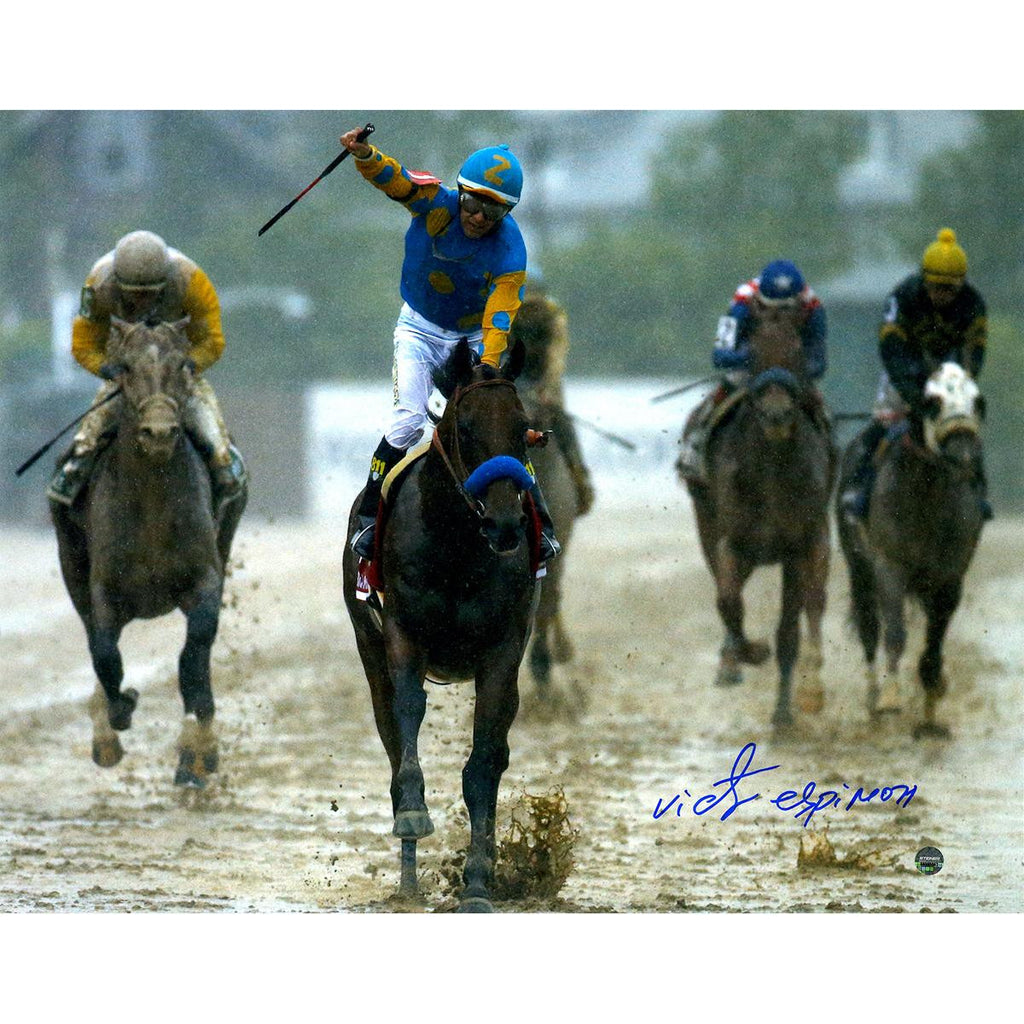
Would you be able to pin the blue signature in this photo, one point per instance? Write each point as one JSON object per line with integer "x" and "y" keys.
{"x": 806, "y": 803}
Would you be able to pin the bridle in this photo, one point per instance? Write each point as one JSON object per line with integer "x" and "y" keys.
{"x": 161, "y": 398}
{"x": 459, "y": 476}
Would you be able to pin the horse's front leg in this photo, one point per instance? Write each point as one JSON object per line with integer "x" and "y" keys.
{"x": 731, "y": 573}
{"x": 104, "y": 632}
{"x": 497, "y": 701}
{"x": 407, "y": 666}
{"x": 939, "y": 607}
{"x": 197, "y": 742}
{"x": 787, "y": 639}
{"x": 810, "y": 694}
{"x": 891, "y": 588}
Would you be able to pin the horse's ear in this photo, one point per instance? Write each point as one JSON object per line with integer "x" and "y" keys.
{"x": 455, "y": 371}
{"x": 516, "y": 361}
{"x": 980, "y": 407}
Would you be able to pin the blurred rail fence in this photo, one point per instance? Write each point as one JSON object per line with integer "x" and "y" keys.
{"x": 308, "y": 447}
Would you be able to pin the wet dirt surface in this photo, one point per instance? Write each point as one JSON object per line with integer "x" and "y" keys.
{"x": 298, "y": 818}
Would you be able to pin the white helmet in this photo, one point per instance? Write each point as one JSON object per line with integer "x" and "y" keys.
{"x": 141, "y": 261}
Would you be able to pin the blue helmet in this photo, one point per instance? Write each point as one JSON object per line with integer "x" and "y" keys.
{"x": 495, "y": 172}
{"x": 781, "y": 281}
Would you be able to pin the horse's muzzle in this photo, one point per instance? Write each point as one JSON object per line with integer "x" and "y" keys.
{"x": 504, "y": 535}
{"x": 159, "y": 427}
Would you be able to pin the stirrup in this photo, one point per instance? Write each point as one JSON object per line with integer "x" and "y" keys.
{"x": 549, "y": 546}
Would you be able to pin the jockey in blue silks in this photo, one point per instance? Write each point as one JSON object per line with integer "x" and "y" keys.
{"x": 463, "y": 276}
{"x": 780, "y": 286}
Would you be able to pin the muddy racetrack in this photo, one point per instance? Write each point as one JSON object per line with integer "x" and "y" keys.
{"x": 299, "y": 818}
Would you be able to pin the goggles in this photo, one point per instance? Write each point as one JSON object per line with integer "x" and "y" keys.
{"x": 474, "y": 204}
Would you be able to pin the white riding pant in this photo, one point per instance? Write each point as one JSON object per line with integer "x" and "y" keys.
{"x": 888, "y": 405}
{"x": 420, "y": 346}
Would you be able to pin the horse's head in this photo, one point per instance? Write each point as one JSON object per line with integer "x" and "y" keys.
{"x": 951, "y": 416}
{"x": 778, "y": 370}
{"x": 151, "y": 363}
{"x": 775, "y": 341}
{"x": 483, "y": 432}
{"x": 540, "y": 327}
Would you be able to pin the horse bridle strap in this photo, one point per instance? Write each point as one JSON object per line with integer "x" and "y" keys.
{"x": 474, "y": 504}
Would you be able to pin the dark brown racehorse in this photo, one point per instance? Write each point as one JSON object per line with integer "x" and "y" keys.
{"x": 459, "y": 596}
{"x": 770, "y": 468}
{"x": 141, "y": 541}
{"x": 923, "y": 525}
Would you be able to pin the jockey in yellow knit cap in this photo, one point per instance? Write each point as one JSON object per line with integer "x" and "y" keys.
{"x": 931, "y": 317}
{"x": 142, "y": 278}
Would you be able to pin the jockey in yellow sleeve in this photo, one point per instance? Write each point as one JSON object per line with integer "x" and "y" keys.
{"x": 142, "y": 278}
{"x": 463, "y": 276}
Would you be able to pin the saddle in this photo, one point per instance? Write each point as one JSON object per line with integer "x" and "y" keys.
{"x": 370, "y": 575}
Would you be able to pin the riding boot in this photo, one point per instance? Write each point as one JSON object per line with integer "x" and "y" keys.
{"x": 385, "y": 458}
{"x": 565, "y": 434}
{"x": 71, "y": 477}
{"x": 693, "y": 443}
{"x": 228, "y": 481}
{"x": 549, "y": 546}
{"x": 856, "y": 497}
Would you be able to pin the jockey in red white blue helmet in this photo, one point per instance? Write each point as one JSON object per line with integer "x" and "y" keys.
{"x": 779, "y": 285}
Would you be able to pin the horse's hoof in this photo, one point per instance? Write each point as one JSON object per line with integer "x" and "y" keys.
{"x": 189, "y": 779}
{"x": 810, "y": 699}
{"x": 106, "y": 753}
{"x": 192, "y": 769}
{"x": 888, "y": 700}
{"x": 754, "y": 652}
{"x": 476, "y": 905}
{"x": 562, "y": 650}
{"x": 931, "y": 730}
{"x": 728, "y": 675}
{"x": 120, "y": 710}
{"x": 412, "y": 825}
{"x": 783, "y": 718}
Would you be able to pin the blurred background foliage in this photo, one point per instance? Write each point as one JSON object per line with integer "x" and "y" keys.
{"x": 644, "y": 277}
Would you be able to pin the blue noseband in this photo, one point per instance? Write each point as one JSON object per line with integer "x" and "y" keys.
{"x": 501, "y": 467}
{"x": 775, "y": 375}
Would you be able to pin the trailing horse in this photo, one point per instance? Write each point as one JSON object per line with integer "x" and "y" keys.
{"x": 141, "y": 540}
{"x": 769, "y": 474}
{"x": 551, "y": 643}
{"x": 923, "y": 524}
{"x": 456, "y": 557}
